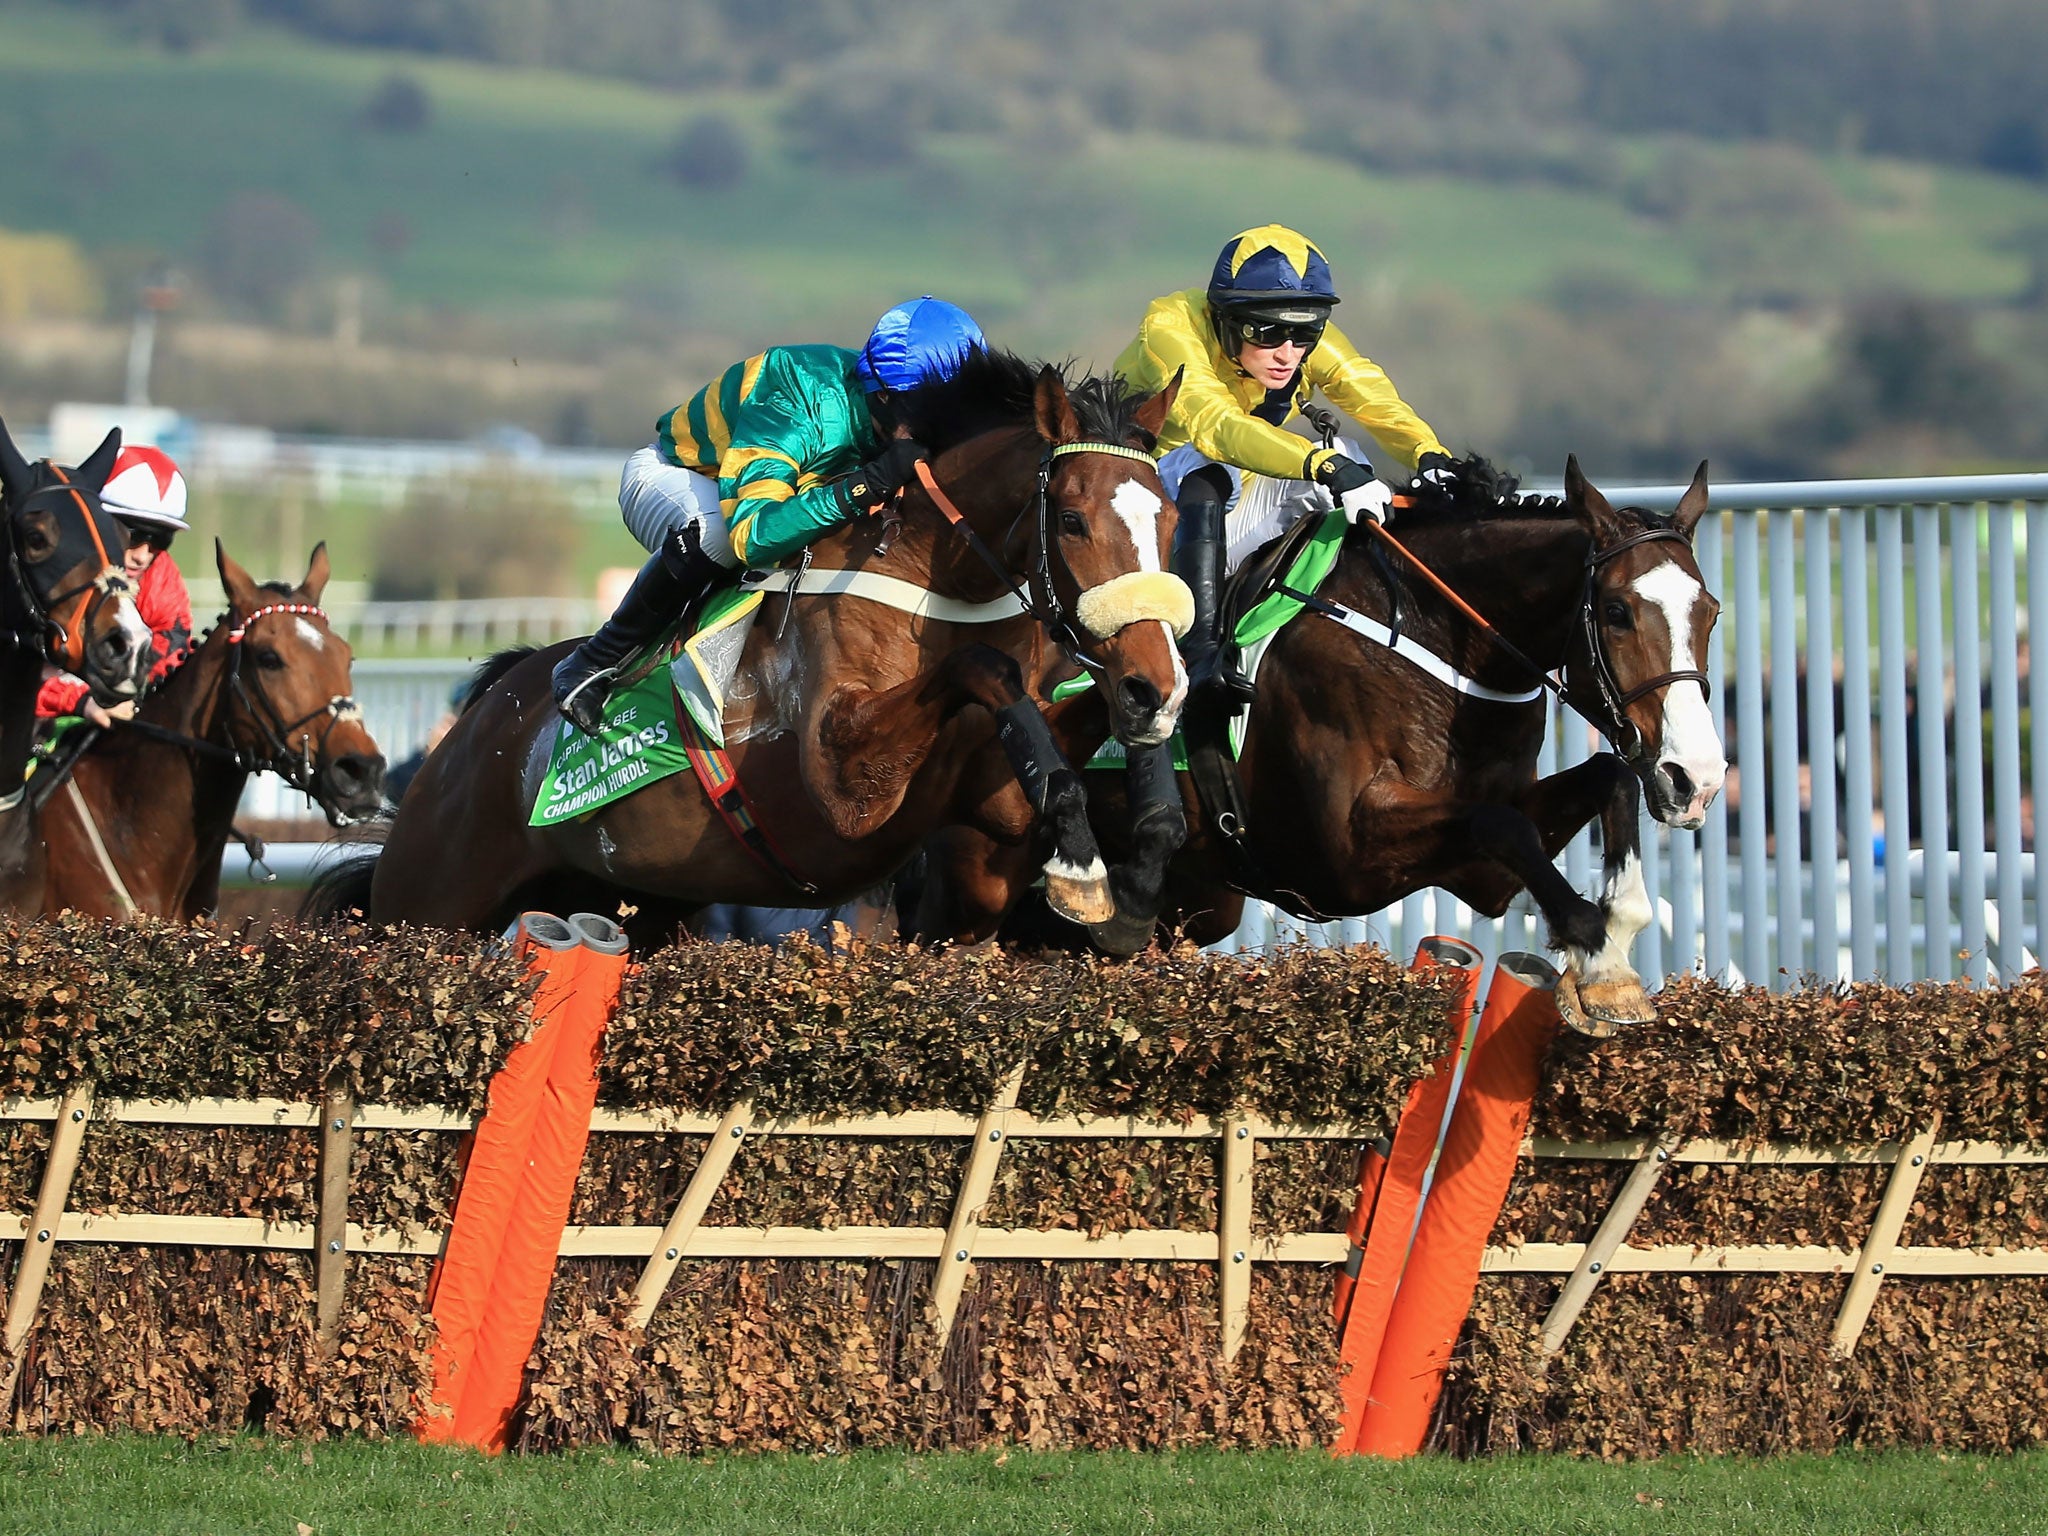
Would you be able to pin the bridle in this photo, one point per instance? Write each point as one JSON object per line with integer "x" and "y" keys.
{"x": 61, "y": 642}
{"x": 1035, "y": 592}
{"x": 274, "y": 753}
{"x": 1620, "y": 731}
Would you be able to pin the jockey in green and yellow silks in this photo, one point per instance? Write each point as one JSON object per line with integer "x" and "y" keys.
{"x": 1251, "y": 348}
{"x": 764, "y": 459}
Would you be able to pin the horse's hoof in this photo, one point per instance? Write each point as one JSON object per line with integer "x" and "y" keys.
{"x": 1123, "y": 935}
{"x": 1080, "y": 896}
{"x": 1600, "y": 1008}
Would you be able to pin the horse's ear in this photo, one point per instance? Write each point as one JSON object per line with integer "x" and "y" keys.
{"x": 1583, "y": 500}
{"x": 235, "y": 581}
{"x": 92, "y": 474}
{"x": 13, "y": 467}
{"x": 316, "y": 574}
{"x": 1057, "y": 422}
{"x": 1153, "y": 413}
{"x": 1692, "y": 506}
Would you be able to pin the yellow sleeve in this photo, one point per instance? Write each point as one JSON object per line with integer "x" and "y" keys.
{"x": 1360, "y": 388}
{"x": 1207, "y": 412}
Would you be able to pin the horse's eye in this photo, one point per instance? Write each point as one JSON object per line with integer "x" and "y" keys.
{"x": 1617, "y": 615}
{"x": 269, "y": 660}
{"x": 1073, "y": 525}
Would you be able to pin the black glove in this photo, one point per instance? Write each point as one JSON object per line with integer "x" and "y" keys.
{"x": 869, "y": 488}
{"x": 1340, "y": 475}
{"x": 1439, "y": 471}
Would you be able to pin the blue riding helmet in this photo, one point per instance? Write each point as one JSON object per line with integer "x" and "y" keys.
{"x": 1273, "y": 269}
{"x": 921, "y": 341}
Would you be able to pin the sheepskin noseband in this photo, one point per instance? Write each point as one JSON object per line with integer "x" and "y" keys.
{"x": 1134, "y": 596}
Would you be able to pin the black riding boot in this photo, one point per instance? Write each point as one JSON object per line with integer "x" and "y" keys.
{"x": 1198, "y": 554}
{"x": 666, "y": 585}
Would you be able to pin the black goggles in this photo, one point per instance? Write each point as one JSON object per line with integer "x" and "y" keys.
{"x": 158, "y": 539}
{"x": 1277, "y": 333}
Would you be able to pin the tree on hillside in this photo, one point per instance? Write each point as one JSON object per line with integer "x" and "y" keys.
{"x": 1908, "y": 363}
{"x": 399, "y": 104}
{"x": 709, "y": 152}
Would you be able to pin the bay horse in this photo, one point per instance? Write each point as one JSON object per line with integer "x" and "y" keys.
{"x": 66, "y": 601}
{"x": 141, "y": 823}
{"x": 1365, "y": 778}
{"x": 858, "y": 721}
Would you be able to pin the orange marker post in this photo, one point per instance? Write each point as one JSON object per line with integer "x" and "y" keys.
{"x": 491, "y": 1181}
{"x": 1472, "y": 1176}
{"x": 1392, "y": 1204}
{"x": 532, "y": 1239}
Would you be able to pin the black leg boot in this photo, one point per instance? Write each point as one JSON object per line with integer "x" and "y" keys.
{"x": 666, "y": 585}
{"x": 1198, "y": 554}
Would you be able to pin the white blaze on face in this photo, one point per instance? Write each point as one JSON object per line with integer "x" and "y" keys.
{"x": 1690, "y": 740}
{"x": 309, "y": 634}
{"x": 1138, "y": 510}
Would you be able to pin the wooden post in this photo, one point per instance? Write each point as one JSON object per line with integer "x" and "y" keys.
{"x": 1234, "y": 1233}
{"x": 1890, "y": 1220}
{"x": 711, "y": 1169}
{"x": 1613, "y": 1231}
{"x": 991, "y": 1135}
{"x": 330, "y": 1221}
{"x": 67, "y": 1136}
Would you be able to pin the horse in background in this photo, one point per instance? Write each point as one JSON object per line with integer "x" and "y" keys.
{"x": 857, "y": 723}
{"x": 65, "y": 601}
{"x": 1368, "y": 773}
{"x": 141, "y": 823}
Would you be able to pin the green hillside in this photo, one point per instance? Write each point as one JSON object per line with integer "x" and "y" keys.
{"x": 536, "y": 205}
{"x": 534, "y": 188}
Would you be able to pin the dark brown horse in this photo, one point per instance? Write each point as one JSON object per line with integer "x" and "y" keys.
{"x": 1366, "y": 776}
{"x": 64, "y": 600}
{"x": 857, "y": 725}
{"x": 141, "y": 823}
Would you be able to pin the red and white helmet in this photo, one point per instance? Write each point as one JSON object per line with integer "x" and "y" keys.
{"x": 146, "y": 487}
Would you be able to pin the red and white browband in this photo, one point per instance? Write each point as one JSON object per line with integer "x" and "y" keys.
{"x": 235, "y": 634}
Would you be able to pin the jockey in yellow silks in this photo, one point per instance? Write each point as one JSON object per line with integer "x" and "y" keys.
{"x": 1251, "y": 349}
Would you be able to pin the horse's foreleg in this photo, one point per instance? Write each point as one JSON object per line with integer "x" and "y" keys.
{"x": 1601, "y": 990}
{"x": 1159, "y": 828}
{"x": 869, "y": 746}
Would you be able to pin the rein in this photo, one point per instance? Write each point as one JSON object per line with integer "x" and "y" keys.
{"x": 1051, "y": 612}
{"x": 1618, "y": 728}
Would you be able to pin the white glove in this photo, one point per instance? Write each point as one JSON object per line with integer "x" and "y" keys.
{"x": 1373, "y": 500}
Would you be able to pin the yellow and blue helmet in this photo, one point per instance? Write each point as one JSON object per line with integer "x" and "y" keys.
{"x": 1275, "y": 271}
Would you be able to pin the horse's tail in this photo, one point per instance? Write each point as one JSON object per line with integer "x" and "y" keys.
{"x": 340, "y": 892}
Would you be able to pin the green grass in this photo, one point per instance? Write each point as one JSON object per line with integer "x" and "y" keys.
{"x": 535, "y": 188}
{"x": 165, "y": 1486}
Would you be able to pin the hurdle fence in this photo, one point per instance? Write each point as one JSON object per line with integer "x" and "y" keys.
{"x": 1233, "y": 1247}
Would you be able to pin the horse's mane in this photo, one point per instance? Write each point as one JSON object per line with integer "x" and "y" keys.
{"x": 494, "y": 668}
{"x": 1482, "y": 492}
{"x": 995, "y": 389}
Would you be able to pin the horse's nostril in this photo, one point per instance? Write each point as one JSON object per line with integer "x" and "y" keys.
{"x": 1140, "y": 697}
{"x": 356, "y": 774}
{"x": 1681, "y": 783}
